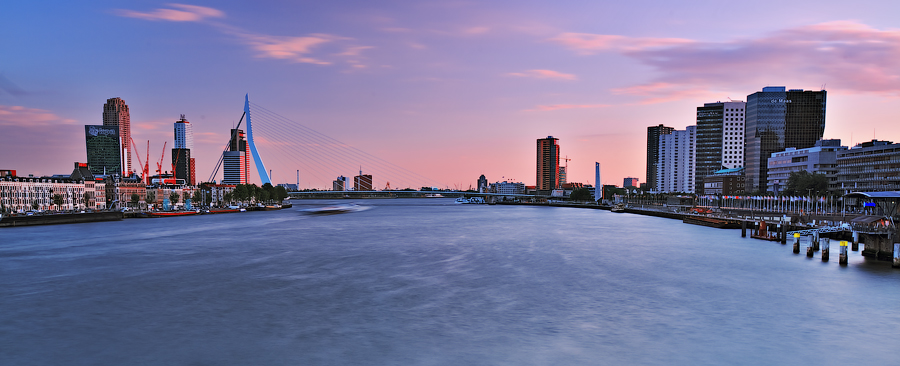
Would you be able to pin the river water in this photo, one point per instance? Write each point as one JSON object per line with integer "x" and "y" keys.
{"x": 430, "y": 282}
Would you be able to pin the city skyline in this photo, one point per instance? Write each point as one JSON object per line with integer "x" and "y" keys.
{"x": 434, "y": 77}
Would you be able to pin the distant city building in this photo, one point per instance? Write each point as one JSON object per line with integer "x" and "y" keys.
{"x": 5, "y": 173}
{"x": 675, "y": 169}
{"x": 724, "y": 182}
{"x": 103, "y": 149}
{"x": 868, "y": 167}
{"x": 776, "y": 120}
{"x": 562, "y": 175}
{"x": 547, "y": 164}
{"x": 115, "y": 114}
{"x": 630, "y": 182}
{"x": 508, "y": 188}
{"x": 820, "y": 159}
{"x": 720, "y": 139}
{"x": 596, "y": 192}
{"x": 482, "y": 184}
{"x": 653, "y": 133}
{"x": 340, "y": 184}
{"x": 235, "y": 163}
{"x": 290, "y": 187}
{"x": 362, "y": 182}
{"x": 181, "y": 154}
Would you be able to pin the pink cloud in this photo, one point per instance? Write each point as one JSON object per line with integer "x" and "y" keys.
{"x": 845, "y": 55}
{"x": 545, "y": 108}
{"x": 21, "y": 116}
{"x": 181, "y": 13}
{"x": 544, "y": 74}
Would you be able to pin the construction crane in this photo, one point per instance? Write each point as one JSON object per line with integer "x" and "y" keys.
{"x": 145, "y": 165}
{"x": 159, "y": 164}
{"x": 387, "y": 187}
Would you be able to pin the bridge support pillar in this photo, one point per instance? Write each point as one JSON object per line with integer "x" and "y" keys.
{"x": 855, "y": 241}
{"x": 743, "y": 228}
{"x": 826, "y": 248}
{"x": 784, "y": 233}
{"x": 796, "y": 243}
{"x": 815, "y": 242}
{"x": 896, "y": 263}
{"x": 842, "y": 258}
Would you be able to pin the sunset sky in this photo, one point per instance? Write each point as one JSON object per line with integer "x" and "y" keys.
{"x": 449, "y": 90}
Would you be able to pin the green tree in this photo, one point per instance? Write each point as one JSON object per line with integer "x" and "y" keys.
{"x": 196, "y": 198}
{"x": 227, "y": 197}
{"x": 87, "y": 199}
{"x": 263, "y": 195}
{"x": 135, "y": 199}
{"x": 803, "y": 183}
{"x": 173, "y": 197}
{"x": 581, "y": 194}
{"x": 151, "y": 197}
{"x": 280, "y": 193}
{"x": 58, "y": 201}
{"x": 240, "y": 193}
{"x": 35, "y": 205}
{"x": 185, "y": 195}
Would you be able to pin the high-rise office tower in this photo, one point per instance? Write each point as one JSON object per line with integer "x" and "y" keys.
{"x": 776, "y": 120}
{"x": 482, "y": 184}
{"x": 720, "y": 139}
{"x": 653, "y": 133}
{"x": 103, "y": 153}
{"x": 547, "y": 164}
{"x": 181, "y": 153}
{"x": 115, "y": 114}
{"x": 236, "y": 165}
{"x": 675, "y": 168}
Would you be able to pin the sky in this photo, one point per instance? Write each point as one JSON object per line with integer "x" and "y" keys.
{"x": 448, "y": 90}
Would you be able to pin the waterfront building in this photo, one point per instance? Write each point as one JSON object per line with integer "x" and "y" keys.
{"x": 120, "y": 190}
{"x": 597, "y": 195}
{"x": 116, "y": 114}
{"x": 720, "y": 138}
{"x": 820, "y": 159}
{"x": 235, "y": 163}
{"x": 871, "y": 166}
{"x": 562, "y": 175}
{"x": 507, "y": 188}
{"x": 94, "y": 187}
{"x": 217, "y": 193}
{"x": 21, "y": 194}
{"x": 630, "y": 182}
{"x": 653, "y": 133}
{"x": 7, "y": 173}
{"x": 776, "y": 120}
{"x": 724, "y": 182}
{"x": 182, "y": 162}
{"x": 362, "y": 182}
{"x": 103, "y": 149}
{"x": 547, "y": 177}
{"x": 482, "y": 184}
{"x": 675, "y": 168}
{"x": 340, "y": 184}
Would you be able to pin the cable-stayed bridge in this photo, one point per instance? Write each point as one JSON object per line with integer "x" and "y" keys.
{"x": 275, "y": 141}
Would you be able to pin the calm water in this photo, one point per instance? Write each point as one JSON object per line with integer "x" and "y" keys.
{"x": 429, "y": 282}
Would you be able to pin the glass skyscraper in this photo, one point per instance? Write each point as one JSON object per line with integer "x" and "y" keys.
{"x": 102, "y": 144}
{"x": 776, "y": 120}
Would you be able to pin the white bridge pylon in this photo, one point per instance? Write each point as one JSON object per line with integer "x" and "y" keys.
{"x": 257, "y": 160}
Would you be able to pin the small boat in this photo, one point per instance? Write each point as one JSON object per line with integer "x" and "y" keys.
{"x": 470, "y": 200}
{"x": 619, "y": 207}
{"x": 171, "y": 213}
{"x": 225, "y": 210}
{"x": 333, "y": 210}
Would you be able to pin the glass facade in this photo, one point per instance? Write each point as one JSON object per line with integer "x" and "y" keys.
{"x": 103, "y": 150}
{"x": 709, "y": 142}
{"x": 653, "y": 133}
{"x": 778, "y": 119}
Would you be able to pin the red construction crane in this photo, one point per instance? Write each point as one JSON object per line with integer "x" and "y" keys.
{"x": 159, "y": 164}
{"x": 145, "y": 165}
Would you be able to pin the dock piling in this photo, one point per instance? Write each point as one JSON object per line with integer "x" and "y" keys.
{"x": 896, "y": 263}
{"x": 783, "y": 233}
{"x": 855, "y": 241}
{"x": 810, "y": 249}
{"x": 815, "y": 242}
{"x": 796, "y": 243}
{"x": 743, "y": 228}
{"x": 826, "y": 248}
{"x": 842, "y": 258}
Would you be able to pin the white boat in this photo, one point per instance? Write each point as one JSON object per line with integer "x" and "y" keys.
{"x": 470, "y": 200}
{"x": 332, "y": 210}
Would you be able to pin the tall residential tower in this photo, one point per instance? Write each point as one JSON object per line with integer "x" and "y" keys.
{"x": 653, "y": 133}
{"x": 547, "y": 164}
{"x": 115, "y": 114}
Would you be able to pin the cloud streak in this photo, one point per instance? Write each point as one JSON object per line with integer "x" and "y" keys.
{"x": 22, "y": 116}
{"x": 553, "y": 107}
{"x": 844, "y": 54}
{"x": 181, "y": 13}
{"x": 299, "y": 49}
{"x": 544, "y": 74}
